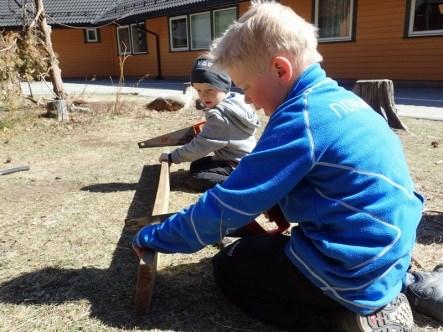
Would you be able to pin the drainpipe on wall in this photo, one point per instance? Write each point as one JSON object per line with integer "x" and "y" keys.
{"x": 157, "y": 45}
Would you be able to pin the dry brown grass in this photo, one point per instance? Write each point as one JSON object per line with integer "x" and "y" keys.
{"x": 65, "y": 257}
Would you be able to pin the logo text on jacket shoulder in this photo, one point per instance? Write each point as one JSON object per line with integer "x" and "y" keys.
{"x": 346, "y": 106}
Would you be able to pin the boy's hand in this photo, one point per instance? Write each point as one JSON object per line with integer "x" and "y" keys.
{"x": 163, "y": 157}
{"x": 138, "y": 251}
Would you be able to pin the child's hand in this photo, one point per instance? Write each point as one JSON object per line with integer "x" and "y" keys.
{"x": 138, "y": 251}
{"x": 163, "y": 157}
{"x": 135, "y": 246}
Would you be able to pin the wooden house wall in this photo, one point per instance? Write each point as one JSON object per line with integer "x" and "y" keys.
{"x": 380, "y": 49}
{"x": 80, "y": 59}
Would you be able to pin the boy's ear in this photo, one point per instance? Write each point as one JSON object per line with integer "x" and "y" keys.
{"x": 282, "y": 67}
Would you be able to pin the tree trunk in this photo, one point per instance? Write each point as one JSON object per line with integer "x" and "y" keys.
{"x": 379, "y": 94}
{"x": 55, "y": 72}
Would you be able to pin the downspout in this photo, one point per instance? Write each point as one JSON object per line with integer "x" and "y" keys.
{"x": 157, "y": 44}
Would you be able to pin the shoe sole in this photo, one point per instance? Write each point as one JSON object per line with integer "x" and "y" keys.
{"x": 395, "y": 317}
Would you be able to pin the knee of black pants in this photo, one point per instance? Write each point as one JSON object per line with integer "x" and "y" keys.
{"x": 239, "y": 282}
{"x": 240, "y": 262}
{"x": 221, "y": 264}
{"x": 200, "y": 164}
{"x": 209, "y": 177}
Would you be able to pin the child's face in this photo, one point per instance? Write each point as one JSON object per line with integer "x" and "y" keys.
{"x": 263, "y": 90}
{"x": 209, "y": 95}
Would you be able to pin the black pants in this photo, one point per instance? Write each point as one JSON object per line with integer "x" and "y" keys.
{"x": 255, "y": 274}
{"x": 207, "y": 172}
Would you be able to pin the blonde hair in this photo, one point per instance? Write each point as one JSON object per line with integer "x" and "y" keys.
{"x": 266, "y": 30}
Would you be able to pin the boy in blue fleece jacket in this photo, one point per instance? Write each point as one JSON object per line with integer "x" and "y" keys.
{"x": 334, "y": 168}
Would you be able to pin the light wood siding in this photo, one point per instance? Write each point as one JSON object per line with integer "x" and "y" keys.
{"x": 243, "y": 7}
{"x": 139, "y": 65}
{"x": 80, "y": 59}
{"x": 303, "y": 7}
{"x": 380, "y": 49}
{"x": 177, "y": 63}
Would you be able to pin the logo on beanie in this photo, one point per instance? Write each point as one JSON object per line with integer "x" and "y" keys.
{"x": 204, "y": 63}
{"x": 204, "y": 72}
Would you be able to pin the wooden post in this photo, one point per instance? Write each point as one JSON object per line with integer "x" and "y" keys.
{"x": 147, "y": 268}
{"x": 379, "y": 94}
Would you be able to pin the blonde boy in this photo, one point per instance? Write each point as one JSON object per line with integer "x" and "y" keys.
{"x": 332, "y": 165}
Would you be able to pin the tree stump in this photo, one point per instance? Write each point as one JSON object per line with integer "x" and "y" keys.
{"x": 379, "y": 94}
{"x": 61, "y": 107}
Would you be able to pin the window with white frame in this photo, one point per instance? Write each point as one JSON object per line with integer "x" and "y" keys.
{"x": 222, "y": 19}
{"x": 334, "y": 19}
{"x": 92, "y": 35}
{"x": 425, "y": 17}
{"x": 138, "y": 38}
{"x": 131, "y": 39}
{"x": 124, "y": 40}
{"x": 203, "y": 28}
{"x": 178, "y": 31}
{"x": 200, "y": 27}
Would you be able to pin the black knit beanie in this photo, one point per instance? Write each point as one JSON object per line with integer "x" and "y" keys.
{"x": 203, "y": 72}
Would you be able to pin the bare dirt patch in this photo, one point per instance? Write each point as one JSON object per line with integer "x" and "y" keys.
{"x": 65, "y": 257}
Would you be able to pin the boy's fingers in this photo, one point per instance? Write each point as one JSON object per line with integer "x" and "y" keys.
{"x": 163, "y": 157}
{"x": 138, "y": 251}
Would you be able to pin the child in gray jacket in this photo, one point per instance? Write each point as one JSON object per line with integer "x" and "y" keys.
{"x": 228, "y": 132}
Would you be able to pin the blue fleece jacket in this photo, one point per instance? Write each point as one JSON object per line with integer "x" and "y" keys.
{"x": 334, "y": 167}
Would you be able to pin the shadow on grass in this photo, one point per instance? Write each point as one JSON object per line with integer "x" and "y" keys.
{"x": 110, "y": 187}
{"x": 185, "y": 297}
{"x": 430, "y": 229}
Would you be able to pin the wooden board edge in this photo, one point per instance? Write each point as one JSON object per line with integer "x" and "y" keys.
{"x": 147, "y": 268}
{"x": 146, "y": 274}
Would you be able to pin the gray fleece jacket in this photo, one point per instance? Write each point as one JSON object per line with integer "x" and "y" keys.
{"x": 228, "y": 132}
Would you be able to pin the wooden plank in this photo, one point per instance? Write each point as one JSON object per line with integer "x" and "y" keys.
{"x": 163, "y": 190}
{"x": 147, "y": 268}
{"x": 147, "y": 271}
